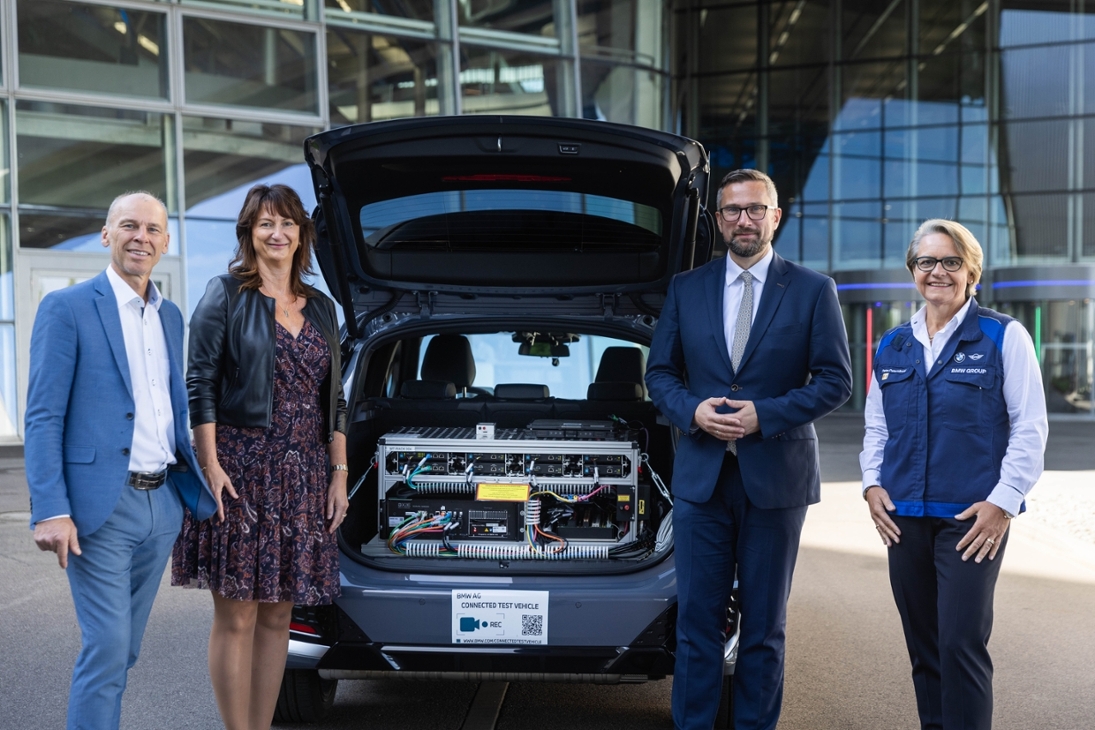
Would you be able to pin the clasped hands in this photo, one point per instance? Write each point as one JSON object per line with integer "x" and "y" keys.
{"x": 981, "y": 541}
{"x": 727, "y": 426}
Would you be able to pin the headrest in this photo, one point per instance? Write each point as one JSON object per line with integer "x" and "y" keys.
{"x": 521, "y": 391}
{"x": 614, "y": 390}
{"x": 427, "y": 389}
{"x": 621, "y": 364}
{"x": 448, "y": 358}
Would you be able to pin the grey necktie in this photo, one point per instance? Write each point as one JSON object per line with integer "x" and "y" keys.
{"x": 741, "y": 333}
{"x": 745, "y": 321}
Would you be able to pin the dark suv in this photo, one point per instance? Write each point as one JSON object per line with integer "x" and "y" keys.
{"x": 511, "y": 514}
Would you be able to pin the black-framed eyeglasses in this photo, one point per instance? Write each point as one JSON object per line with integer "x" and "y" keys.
{"x": 731, "y": 213}
{"x": 927, "y": 263}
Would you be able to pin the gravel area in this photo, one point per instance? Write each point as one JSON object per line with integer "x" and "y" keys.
{"x": 1064, "y": 502}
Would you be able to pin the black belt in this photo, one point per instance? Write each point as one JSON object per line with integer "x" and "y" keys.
{"x": 146, "y": 480}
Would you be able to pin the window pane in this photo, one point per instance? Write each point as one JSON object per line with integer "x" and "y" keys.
{"x": 857, "y": 165}
{"x": 298, "y": 8}
{"x": 8, "y": 414}
{"x": 623, "y": 30}
{"x": 5, "y": 158}
{"x": 873, "y": 29}
{"x": 1087, "y": 247}
{"x": 534, "y": 17}
{"x": 1022, "y": 26}
{"x": 249, "y": 65}
{"x": 508, "y": 82}
{"x": 1041, "y": 227}
{"x": 622, "y": 94}
{"x": 857, "y": 236}
{"x": 66, "y": 45}
{"x": 7, "y": 284}
{"x": 414, "y": 9}
{"x": 714, "y": 53}
{"x": 223, "y": 158}
{"x": 497, "y": 361}
{"x": 1037, "y": 155}
{"x": 74, "y": 160}
{"x": 376, "y": 77}
{"x": 815, "y": 236}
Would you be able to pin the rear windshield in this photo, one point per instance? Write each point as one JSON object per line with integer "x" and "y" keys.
{"x": 529, "y": 220}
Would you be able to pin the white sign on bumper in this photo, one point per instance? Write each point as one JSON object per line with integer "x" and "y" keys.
{"x": 499, "y": 617}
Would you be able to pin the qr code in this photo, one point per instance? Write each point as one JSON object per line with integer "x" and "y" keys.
{"x": 532, "y": 625}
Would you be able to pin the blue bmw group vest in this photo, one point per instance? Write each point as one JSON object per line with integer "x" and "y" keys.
{"x": 947, "y": 421}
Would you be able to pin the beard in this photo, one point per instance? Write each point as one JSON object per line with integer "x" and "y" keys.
{"x": 744, "y": 248}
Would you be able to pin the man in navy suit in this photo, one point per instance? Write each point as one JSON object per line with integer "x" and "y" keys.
{"x": 108, "y": 454}
{"x": 748, "y": 352}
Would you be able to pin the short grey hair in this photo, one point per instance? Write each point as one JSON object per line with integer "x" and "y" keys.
{"x": 117, "y": 201}
{"x": 748, "y": 175}
{"x": 966, "y": 243}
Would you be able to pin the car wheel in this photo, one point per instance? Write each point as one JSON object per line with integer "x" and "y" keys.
{"x": 724, "y": 719}
{"x": 304, "y": 696}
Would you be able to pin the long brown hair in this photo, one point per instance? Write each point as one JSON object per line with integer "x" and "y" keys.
{"x": 284, "y": 201}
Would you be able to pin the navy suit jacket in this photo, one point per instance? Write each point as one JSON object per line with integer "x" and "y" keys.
{"x": 79, "y": 420}
{"x": 796, "y": 368}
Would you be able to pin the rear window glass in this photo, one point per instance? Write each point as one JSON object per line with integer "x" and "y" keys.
{"x": 531, "y": 219}
{"x": 497, "y": 361}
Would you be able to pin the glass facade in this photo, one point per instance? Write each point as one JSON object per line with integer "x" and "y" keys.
{"x": 874, "y": 116}
{"x": 198, "y": 100}
{"x": 871, "y": 116}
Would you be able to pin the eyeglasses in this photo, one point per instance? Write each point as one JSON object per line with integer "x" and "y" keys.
{"x": 731, "y": 213}
{"x": 927, "y": 263}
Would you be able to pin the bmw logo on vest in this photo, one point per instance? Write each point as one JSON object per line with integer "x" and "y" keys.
{"x": 959, "y": 356}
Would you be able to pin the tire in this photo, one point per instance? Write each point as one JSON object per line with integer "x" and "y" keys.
{"x": 304, "y": 696}
{"x": 724, "y": 719}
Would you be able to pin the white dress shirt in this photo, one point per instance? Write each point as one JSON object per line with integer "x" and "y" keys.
{"x": 153, "y": 448}
{"x": 735, "y": 287}
{"x": 1025, "y": 456}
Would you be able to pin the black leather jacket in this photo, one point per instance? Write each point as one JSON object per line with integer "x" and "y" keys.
{"x": 230, "y": 369}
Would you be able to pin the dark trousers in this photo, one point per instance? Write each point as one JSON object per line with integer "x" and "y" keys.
{"x": 946, "y": 611}
{"x": 712, "y": 541}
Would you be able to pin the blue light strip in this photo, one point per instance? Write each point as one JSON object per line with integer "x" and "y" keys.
{"x": 1045, "y": 282}
{"x": 880, "y": 285}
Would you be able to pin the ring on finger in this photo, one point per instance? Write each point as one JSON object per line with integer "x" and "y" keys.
{"x": 990, "y": 541}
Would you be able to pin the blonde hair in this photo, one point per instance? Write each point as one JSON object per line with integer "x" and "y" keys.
{"x": 968, "y": 247}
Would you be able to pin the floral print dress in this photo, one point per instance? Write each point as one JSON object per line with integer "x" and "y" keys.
{"x": 273, "y": 544}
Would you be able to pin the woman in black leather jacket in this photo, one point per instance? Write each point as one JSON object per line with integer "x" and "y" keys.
{"x": 269, "y": 426}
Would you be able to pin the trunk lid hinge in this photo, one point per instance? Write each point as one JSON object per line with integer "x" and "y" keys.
{"x": 609, "y": 302}
{"x": 426, "y": 301}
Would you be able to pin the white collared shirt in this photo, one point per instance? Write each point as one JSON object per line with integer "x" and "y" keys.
{"x": 1025, "y": 456}
{"x": 153, "y": 447}
{"x": 735, "y": 288}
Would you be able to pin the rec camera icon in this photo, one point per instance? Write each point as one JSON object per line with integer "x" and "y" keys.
{"x": 470, "y": 623}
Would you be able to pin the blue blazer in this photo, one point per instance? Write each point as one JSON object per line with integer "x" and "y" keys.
{"x": 79, "y": 419}
{"x": 796, "y": 368}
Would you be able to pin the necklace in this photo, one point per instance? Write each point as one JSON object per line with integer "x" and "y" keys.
{"x": 284, "y": 307}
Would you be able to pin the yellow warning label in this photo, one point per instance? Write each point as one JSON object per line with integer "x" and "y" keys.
{"x": 623, "y": 497}
{"x": 642, "y": 506}
{"x": 502, "y": 492}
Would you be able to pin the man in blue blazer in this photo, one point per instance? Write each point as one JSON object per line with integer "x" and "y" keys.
{"x": 108, "y": 453}
{"x": 748, "y": 352}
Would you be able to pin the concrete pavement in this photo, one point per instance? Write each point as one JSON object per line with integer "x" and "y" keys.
{"x": 846, "y": 663}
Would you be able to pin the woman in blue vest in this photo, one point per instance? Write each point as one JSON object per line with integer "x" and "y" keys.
{"x": 955, "y": 436}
